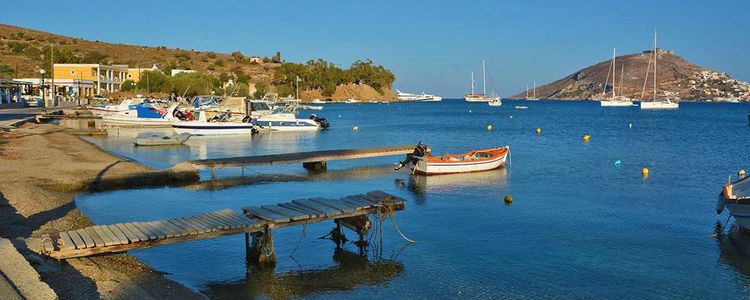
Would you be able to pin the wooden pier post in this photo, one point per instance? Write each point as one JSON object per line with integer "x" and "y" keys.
{"x": 260, "y": 250}
{"x": 315, "y": 165}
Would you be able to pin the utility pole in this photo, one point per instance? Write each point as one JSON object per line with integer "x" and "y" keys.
{"x": 52, "y": 74}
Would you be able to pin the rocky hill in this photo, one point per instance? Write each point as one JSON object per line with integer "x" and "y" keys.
{"x": 677, "y": 78}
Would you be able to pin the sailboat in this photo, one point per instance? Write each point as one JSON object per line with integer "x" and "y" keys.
{"x": 472, "y": 97}
{"x": 534, "y": 95}
{"x": 654, "y": 104}
{"x": 616, "y": 101}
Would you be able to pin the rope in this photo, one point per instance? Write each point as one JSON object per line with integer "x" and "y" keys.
{"x": 304, "y": 233}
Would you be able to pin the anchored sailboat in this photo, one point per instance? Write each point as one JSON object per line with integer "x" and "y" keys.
{"x": 654, "y": 104}
{"x": 615, "y": 101}
{"x": 533, "y": 97}
{"x": 473, "y": 97}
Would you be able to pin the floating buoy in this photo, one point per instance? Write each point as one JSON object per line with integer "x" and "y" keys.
{"x": 630, "y": 125}
{"x": 644, "y": 172}
{"x": 508, "y": 199}
{"x": 538, "y": 130}
{"x": 355, "y": 128}
{"x": 618, "y": 163}
{"x": 470, "y": 111}
{"x": 741, "y": 173}
{"x": 586, "y": 137}
{"x": 511, "y": 117}
{"x": 489, "y": 127}
{"x": 339, "y": 116}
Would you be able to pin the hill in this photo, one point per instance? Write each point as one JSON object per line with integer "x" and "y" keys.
{"x": 676, "y": 78}
{"x": 24, "y": 51}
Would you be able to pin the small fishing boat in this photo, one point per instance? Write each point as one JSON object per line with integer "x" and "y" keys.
{"x": 422, "y": 162}
{"x": 287, "y": 121}
{"x": 735, "y": 196}
{"x": 125, "y": 105}
{"x": 160, "y": 139}
{"x": 351, "y": 100}
{"x": 495, "y": 102}
{"x": 521, "y": 107}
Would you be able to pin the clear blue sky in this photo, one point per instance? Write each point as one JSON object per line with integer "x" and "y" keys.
{"x": 430, "y": 45}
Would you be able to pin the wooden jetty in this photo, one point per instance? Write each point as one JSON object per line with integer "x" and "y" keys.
{"x": 310, "y": 160}
{"x": 256, "y": 222}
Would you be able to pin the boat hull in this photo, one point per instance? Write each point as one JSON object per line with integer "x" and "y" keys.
{"x": 162, "y": 140}
{"x": 134, "y": 121}
{"x": 432, "y": 166}
{"x": 213, "y": 128}
{"x": 616, "y": 103}
{"x": 660, "y": 105}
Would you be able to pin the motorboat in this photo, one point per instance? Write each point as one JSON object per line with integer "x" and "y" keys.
{"x": 424, "y": 97}
{"x": 318, "y": 101}
{"x": 285, "y": 120}
{"x": 495, "y": 102}
{"x": 221, "y": 124}
{"x": 422, "y": 162}
{"x": 160, "y": 139}
{"x": 142, "y": 115}
{"x": 125, "y": 105}
{"x": 351, "y": 100}
{"x": 520, "y": 107}
{"x": 734, "y": 196}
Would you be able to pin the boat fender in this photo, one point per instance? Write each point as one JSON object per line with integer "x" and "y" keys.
{"x": 618, "y": 163}
{"x": 630, "y": 125}
{"x": 644, "y": 172}
{"x": 741, "y": 173}
{"x": 586, "y": 137}
{"x": 508, "y": 199}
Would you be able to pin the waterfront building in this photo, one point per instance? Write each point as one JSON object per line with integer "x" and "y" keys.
{"x": 105, "y": 78}
{"x": 134, "y": 74}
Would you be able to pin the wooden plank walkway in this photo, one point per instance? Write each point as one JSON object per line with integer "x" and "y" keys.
{"x": 303, "y": 157}
{"x": 135, "y": 235}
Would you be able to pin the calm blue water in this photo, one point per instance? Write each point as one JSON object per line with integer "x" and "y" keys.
{"x": 578, "y": 227}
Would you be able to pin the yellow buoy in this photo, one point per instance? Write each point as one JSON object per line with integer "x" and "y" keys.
{"x": 489, "y": 127}
{"x": 741, "y": 173}
{"x": 538, "y": 130}
{"x": 586, "y": 137}
{"x": 508, "y": 199}
{"x": 644, "y": 172}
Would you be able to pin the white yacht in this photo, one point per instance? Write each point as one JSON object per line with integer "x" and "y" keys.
{"x": 615, "y": 101}
{"x": 417, "y": 97}
{"x": 474, "y": 97}
{"x": 656, "y": 104}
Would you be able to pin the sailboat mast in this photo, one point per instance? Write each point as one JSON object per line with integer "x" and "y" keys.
{"x": 484, "y": 80}
{"x": 622, "y": 77}
{"x": 655, "y": 57}
{"x": 614, "y": 68}
{"x": 534, "y": 89}
{"x": 472, "y": 82}
{"x": 527, "y": 91}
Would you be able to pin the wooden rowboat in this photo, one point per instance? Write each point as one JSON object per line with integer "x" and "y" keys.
{"x": 473, "y": 161}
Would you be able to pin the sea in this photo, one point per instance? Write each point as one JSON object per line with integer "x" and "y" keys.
{"x": 584, "y": 221}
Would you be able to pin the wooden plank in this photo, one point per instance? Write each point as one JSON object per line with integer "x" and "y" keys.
{"x": 346, "y": 204}
{"x": 329, "y": 211}
{"x": 132, "y": 237}
{"x": 111, "y": 237}
{"x": 356, "y": 201}
{"x": 66, "y": 243}
{"x": 77, "y": 240}
{"x": 181, "y": 228}
{"x": 160, "y": 225}
{"x": 47, "y": 244}
{"x": 202, "y": 226}
{"x": 241, "y": 218}
{"x": 265, "y": 214}
{"x": 177, "y": 231}
{"x": 233, "y": 224}
{"x": 86, "y": 238}
{"x": 94, "y": 236}
{"x": 186, "y": 226}
{"x": 106, "y": 239}
{"x": 215, "y": 223}
{"x": 365, "y": 197}
{"x": 119, "y": 234}
{"x": 152, "y": 235}
{"x": 312, "y": 213}
{"x": 141, "y": 236}
{"x": 158, "y": 231}
{"x": 222, "y": 223}
{"x": 292, "y": 214}
{"x": 333, "y": 204}
{"x": 194, "y": 227}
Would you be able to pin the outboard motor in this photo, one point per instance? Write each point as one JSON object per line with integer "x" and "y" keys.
{"x": 419, "y": 151}
{"x": 321, "y": 121}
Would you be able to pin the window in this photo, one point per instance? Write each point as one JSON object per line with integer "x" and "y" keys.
{"x": 72, "y": 72}
{"x": 93, "y": 72}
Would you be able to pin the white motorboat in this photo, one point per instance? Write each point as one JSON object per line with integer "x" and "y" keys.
{"x": 734, "y": 196}
{"x": 142, "y": 115}
{"x": 287, "y": 121}
{"x": 424, "y": 97}
{"x": 160, "y": 139}
{"x": 318, "y": 101}
{"x": 474, "y": 97}
{"x": 495, "y": 103}
{"x": 657, "y": 104}
{"x": 351, "y": 100}
{"x": 125, "y": 105}
{"x": 615, "y": 101}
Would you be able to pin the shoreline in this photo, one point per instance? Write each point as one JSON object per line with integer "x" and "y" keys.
{"x": 43, "y": 170}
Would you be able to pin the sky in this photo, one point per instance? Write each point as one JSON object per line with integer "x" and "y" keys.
{"x": 430, "y": 46}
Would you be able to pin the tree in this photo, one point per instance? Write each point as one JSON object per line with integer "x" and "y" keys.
{"x": 237, "y": 55}
{"x": 128, "y": 85}
{"x": 153, "y": 81}
{"x": 261, "y": 89}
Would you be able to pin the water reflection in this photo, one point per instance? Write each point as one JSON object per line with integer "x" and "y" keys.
{"x": 350, "y": 271}
{"x": 420, "y": 186}
{"x": 734, "y": 252}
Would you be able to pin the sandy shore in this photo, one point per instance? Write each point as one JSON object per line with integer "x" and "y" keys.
{"x": 42, "y": 168}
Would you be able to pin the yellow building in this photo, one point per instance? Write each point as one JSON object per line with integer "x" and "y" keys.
{"x": 134, "y": 74}
{"x": 105, "y": 78}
